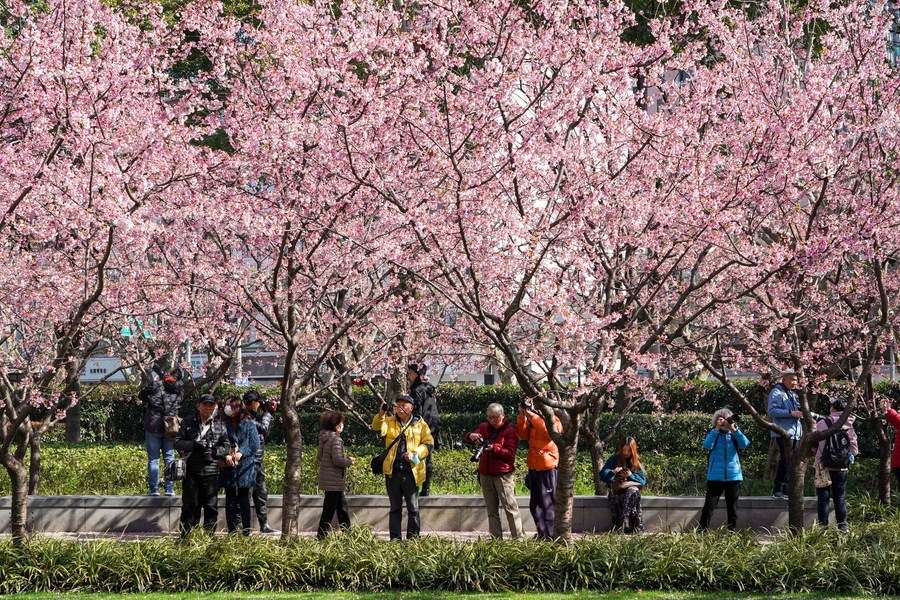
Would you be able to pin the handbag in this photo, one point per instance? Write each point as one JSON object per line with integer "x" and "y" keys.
{"x": 823, "y": 476}
{"x": 177, "y": 469}
{"x": 620, "y": 485}
{"x": 377, "y": 463}
{"x": 172, "y": 427}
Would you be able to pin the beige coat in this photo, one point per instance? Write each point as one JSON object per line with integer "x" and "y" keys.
{"x": 332, "y": 462}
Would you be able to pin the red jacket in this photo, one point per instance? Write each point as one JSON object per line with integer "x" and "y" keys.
{"x": 502, "y": 457}
{"x": 893, "y": 417}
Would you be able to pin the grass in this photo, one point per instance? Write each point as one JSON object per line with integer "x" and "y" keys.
{"x": 429, "y": 595}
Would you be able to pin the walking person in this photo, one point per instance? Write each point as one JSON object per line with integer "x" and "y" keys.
{"x": 624, "y": 474}
{"x": 163, "y": 395}
{"x": 497, "y": 440}
{"x": 425, "y": 406}
{"x": 205, "y": 440}
{"x": 333, "y": 465}
{"x": 542, "y": 461}
{"x": 239, "y": 475}
{"x": 784, "y": 410}
{"x": 723, "y": 472}
{"x": 404, "y": 465}
{"x": 834, "y": 455}
{"x": 260, "y": 411}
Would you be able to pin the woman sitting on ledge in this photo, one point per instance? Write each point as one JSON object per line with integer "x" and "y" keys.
{"x": 625, "y": 477}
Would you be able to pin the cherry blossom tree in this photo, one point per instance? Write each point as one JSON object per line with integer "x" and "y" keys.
{"x": 91, "y": 145}
{"x": 805, "y": 102}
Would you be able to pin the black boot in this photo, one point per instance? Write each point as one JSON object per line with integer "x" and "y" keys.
{"x": 264, "y": 527}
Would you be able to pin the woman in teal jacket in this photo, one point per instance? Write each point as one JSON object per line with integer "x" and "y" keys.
{"x": 723, "y": 472}
{"x": 625, "y": 476}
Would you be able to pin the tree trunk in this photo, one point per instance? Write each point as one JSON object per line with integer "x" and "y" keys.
{"x": 796, "y": 482}
{"x": 18, "y": 477}
{"x": 884, "y": 464}
{"x": 73, "y": 423}
{"x": 34, "y": 467}
{"x": 395, "y": 385}
{"x": 565, "y": 484}
{"x": 290, "y": 511}
{"x": 595, "y": 445}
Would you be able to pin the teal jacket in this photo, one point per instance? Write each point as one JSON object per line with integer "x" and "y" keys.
{"x": 724, "y": 461}
{"x": 612, "y": 462}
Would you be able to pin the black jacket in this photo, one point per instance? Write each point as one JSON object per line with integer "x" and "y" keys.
{"x": 263, "y": 424}
{"x": 216, "y": 438}
{"x": 425, "y": 404}
{"x": 163, "y": 399}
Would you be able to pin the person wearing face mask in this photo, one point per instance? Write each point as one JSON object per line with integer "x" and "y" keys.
{"x": 723, "y": 471}
{"x": 239, "y": 475}
{"x": 404, "y": 465}
{"x": 333, "y": 465}
{"x": 204, "y": 439}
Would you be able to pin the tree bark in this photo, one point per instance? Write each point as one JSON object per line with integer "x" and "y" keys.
{"x": 565, "y": 484}
{"x": 34, "y": 466}
{"x": 797, "y": 463}
{"x": 293, "y": 440}
{"x": 73, "y": 423}
{"x": 18, "y": 477}
{"x": 884, "y": 464}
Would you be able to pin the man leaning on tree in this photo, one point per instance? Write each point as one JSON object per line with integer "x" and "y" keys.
{"x": 784, "y": 410}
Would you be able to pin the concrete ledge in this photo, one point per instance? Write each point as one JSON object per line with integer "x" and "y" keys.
{"x": 464, "y": 514}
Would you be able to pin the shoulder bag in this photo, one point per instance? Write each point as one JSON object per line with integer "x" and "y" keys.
{"x": 378, "y": 461}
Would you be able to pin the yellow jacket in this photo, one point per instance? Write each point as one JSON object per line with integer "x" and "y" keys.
{"x": 418, "y": 440}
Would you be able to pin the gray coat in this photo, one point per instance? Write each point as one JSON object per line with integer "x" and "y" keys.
{"x": 332, "y": 462}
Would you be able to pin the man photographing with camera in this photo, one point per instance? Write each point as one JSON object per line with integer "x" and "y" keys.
{"x": 497, "y": 440}
{"x": 408, "y": 441}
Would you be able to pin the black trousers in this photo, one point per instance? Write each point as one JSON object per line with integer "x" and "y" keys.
{"x": 781, "y": 473}
{"x": 714, "y": 490}
{"x": 335, "y": 502}
{"x": 261, "y": 496}
{"x": 402, "y": 487}
{"x": 200, "y": 494}
{"x": 237, "y": 499}
{"x": 426, "y": 485}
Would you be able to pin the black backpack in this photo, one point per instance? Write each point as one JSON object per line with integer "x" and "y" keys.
{"x": 836, "y": 453}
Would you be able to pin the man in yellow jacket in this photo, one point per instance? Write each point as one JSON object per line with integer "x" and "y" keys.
{"x": 404, "y": 466}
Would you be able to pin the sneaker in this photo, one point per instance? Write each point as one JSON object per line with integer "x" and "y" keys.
{"x": 169, "y": 494}
{"x": 266, "y": 528}
{"x": 779, "y": 495}
{"x": 153, "y": 493}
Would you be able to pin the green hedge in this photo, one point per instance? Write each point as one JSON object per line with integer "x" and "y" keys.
{"x": 117, "y": 415}
{"x": 865, "y": 561}
{"x": 106, "y": 469}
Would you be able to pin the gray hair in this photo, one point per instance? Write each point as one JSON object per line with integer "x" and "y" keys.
{"x": 495, "y": 409}
{"x": 722, "y": 412}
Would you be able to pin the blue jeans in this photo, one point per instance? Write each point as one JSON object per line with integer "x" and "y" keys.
{"x": 836, "y": 492}
{"x": 156, "y": 443}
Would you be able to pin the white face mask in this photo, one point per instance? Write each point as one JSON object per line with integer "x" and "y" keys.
{"x": 228, "y": 411}
{"x": 340, "y": 428}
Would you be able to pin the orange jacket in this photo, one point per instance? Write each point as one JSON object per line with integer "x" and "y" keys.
{"x": 542, "y": 451}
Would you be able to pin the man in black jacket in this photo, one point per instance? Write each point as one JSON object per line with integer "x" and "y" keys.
{"x": 263, "y": 420}
{"x": 163, "y": 395}
{"x": 204, "y": 439}
{"x": 425, "y": 406}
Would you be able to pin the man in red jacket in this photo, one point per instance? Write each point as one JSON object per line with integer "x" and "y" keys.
{"x": 495, "y": 470}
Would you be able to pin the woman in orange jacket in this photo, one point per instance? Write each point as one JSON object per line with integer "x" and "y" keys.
{"x": 543, "y": 458}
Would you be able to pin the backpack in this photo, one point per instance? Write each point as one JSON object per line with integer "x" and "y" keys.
{"x": 836, "y": 453}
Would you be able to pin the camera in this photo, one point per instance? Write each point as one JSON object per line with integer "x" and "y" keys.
{"x": 733, "y": 419}
{"x": 526, "y": 405}
{"x": 387, "y": 406}
{"x": 479, "y": 451}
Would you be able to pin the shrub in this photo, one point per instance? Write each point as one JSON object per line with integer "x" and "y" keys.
{"x": 865, "y": 561}
{"x": 108, "y": 469}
